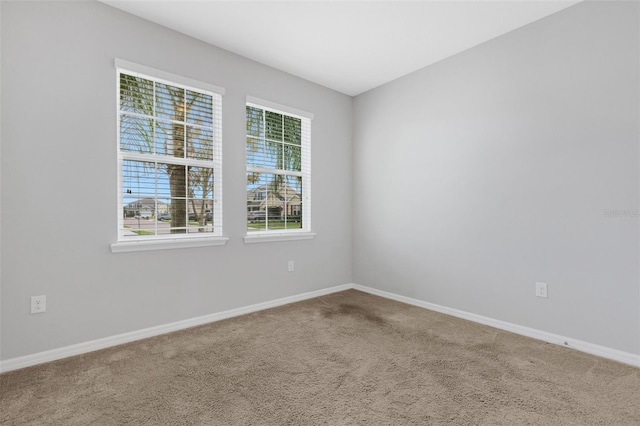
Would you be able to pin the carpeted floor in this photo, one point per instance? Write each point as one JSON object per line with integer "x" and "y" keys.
{"x": 349, "y": 358}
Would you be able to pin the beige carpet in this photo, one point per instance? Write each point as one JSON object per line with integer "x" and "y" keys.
{"x": 345, "y": 359}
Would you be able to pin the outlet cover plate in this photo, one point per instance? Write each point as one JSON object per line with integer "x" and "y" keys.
{"x": 38, "y": 304}
{"x": 541, "y": 290}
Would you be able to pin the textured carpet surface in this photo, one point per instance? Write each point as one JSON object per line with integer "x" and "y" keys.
{"x": 348, "y": 358}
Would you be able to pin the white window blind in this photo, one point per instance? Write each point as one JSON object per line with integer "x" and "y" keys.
{"x": 169, "y": 157}
{"x": 278, "y": 170}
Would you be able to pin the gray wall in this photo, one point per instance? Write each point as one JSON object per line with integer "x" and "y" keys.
{"x": 59, "y": 183}
{"x": 480, "y": 175}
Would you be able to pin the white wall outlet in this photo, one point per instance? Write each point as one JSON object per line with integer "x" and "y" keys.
{"x": 541, "y": 290}
{"x": 290, "y": 266}
{"x": 38, "y": 304}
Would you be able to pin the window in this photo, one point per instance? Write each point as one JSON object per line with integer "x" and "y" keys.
{"x": 278, "y": 169}
{"x": 169, "y": 156}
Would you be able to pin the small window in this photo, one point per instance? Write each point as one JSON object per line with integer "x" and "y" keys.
{"x": 278, "y": 170}
{"x": 169, "y": 158}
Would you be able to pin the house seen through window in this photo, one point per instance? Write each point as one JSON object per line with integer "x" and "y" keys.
{"x": 169, "y": 154}
{"x": 278, "y": 171}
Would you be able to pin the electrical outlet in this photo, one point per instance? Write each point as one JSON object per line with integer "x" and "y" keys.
{"x": 541, "y": 290}
{"x": 38, "y": 304}
{"x": 290, "y": 266}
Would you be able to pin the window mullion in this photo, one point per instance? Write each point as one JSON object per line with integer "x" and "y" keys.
{"x": 274, "y": 171}
{"x": 166, "y": 159}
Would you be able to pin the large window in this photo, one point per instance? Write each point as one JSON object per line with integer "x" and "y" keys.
{"x": 169, "y": 152}
{"x": 278, "y": 170}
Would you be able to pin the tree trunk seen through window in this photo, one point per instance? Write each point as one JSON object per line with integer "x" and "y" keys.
{"x": 178, "y": 183}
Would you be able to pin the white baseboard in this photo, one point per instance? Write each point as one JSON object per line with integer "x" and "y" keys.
{"x": 93, "y": 345}
{"x": 590, "y": 348}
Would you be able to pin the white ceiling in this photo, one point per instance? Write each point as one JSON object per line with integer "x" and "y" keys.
{"x": 349, "y": 46}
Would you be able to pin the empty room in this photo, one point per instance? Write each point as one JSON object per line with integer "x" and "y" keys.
{"x": 320, "y": 212}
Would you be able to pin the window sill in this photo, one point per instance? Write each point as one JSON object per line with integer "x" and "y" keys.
{"x": 271, "y": 238}
{"x": 147, "y": 245}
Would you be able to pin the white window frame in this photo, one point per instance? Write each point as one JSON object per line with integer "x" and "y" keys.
{"x": 160, "y": 242}
{"x": 305, "y": 232}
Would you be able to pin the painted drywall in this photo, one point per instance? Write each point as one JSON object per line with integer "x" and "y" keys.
{"x": 59, "y": 183}
{"x": 0, "y": 185}
{"x": 511, "y": 163}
